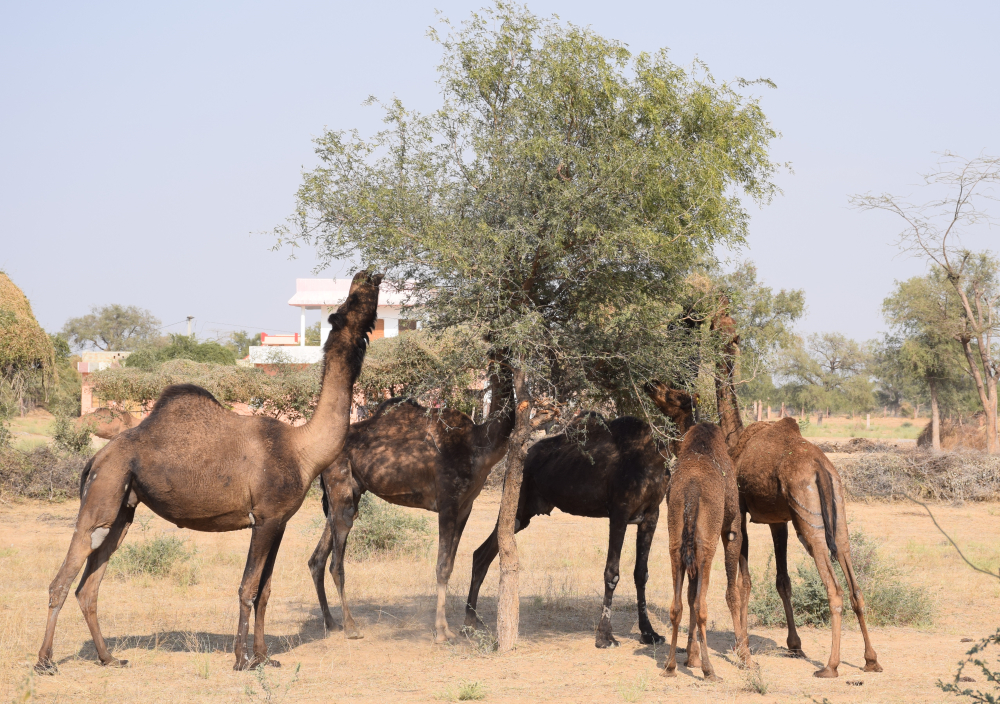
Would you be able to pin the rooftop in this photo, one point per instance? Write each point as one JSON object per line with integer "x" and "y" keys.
{"x": 314, "y": 293}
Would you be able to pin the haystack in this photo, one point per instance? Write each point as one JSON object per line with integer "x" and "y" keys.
{"x": 957, "y": 436}
{"x": 24, "y": 346}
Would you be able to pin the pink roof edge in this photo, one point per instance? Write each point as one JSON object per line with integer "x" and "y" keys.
{"x": 332, "y": 292}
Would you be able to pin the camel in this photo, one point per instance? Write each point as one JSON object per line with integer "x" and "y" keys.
{"x": 408, "y": 455}
{"x": 200, "y": 466}
{"x": 783, "y": 478}
{"x": 703, "y": 504}
{"x": 619, "y": 472}
{"x": 106, "y": 423}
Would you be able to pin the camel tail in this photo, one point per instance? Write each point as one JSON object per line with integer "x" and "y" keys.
{"x": 692, "y": 504}
{"x": 84, "y": 474}
{"x": 828, "y": 508}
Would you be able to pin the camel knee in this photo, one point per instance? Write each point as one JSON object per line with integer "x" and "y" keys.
{"x": 783, "y": 585}
{"x": 611, "y": 578}
{"x": 641, "y": 577}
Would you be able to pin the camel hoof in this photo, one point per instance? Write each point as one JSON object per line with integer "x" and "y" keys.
{"x": 826, "y": 672}
{"x": 693, "y": 663}
{"x": 260, "y": 661}
{"x": 712, "y": 678}
{"x": 353, "y": 634}
{"x": 872, "y": 666}
{"x": 46, "y": 667}
{"x": 668, "y": 673}
{"x": 115, "y": 662}
{"x": 796, "y": 653}
{"x": 652, "y": 638}
{"x": 606, "y": 642}
{"x": 330, "y": 626}
{"x": 442, "y": 638}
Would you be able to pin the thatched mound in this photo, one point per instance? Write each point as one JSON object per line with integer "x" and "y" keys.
{"x": 955, "y": 436}
{"x": 939, "y": 476}
{"x": 23, "y": 345}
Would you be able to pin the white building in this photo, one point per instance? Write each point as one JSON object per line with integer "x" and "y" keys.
{"x": 325, "y": 295}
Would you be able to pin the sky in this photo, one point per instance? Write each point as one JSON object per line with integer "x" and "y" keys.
{"x": 147, "y": 150}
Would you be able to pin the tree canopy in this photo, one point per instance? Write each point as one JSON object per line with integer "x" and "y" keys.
{"x": 26, "y": 353}
{"x": 114, "y": 327}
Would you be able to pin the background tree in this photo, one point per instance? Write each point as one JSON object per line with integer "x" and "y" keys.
{"x": 933, "y": 231}
{"x": 113, "y": 327}
{"x": 27, "y": 359}
{"x": 241, "y": 341}
{"x": 181, "y": 347}
{"x": 828, "y": 372}
{"x": 919, "y": 311}
{"x": 552, "y": 207}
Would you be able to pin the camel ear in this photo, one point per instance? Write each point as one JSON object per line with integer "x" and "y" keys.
{"x": 337, "y": 321}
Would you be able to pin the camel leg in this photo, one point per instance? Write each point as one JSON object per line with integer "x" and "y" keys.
{"x": 341, "y": 523}
{"x": 482, "y": 558}
{"x": 317, "y": 563}
{"x": 262, "y": 538}
{"x": 779, "y": 535}
{"x": 815, "y": 542}
{"x": 616, "y": 536}
{"x": 676, "y": 612}
{"x": 745, "y": 580}
{"x": 701, "y": 618}
{"x": 100, "y": 508}
{"x": 260, "y": 606}
{"x": 90, "y": 582}
{"x": 643, "y": 541}
{"x": 693, "y": 651}
{"x": 450, "y": 530}
{"x": 858, "y": 604}
{"x": 734, "y": 599}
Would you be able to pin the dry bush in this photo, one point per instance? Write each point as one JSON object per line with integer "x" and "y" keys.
{"x": 956, "y": 436}
{"x": 41, "y": 473}
{"x": 858, "y": 445}
{"x": 382, "y": 530}
{"x": 952, "y": 476}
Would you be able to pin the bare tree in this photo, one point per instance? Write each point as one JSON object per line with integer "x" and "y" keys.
{"x": 933, "y": 231}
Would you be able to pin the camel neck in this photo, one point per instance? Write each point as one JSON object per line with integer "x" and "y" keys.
{"x": 726, "y": 400}
{"x": 496, "y": 429}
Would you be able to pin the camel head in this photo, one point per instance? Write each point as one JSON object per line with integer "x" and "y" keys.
{"x": 725, "y": 324}
{"x": 354, "y": 319}
{"x": 679, "y": 406}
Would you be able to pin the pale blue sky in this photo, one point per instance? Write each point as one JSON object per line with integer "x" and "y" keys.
{"x": 142, "y": 145}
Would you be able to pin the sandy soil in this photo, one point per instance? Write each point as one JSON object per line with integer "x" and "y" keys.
{"x": 178, "y": 636}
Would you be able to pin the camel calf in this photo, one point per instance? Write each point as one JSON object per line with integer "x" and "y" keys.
{"x": 703, "y": 504}
{"x": 106, "y": 423}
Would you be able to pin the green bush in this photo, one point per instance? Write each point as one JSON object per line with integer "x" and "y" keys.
{"x": 181, "y": 347}
{"x": 889, "y": 601}
{"x": 40, "y": 473}
{"x": 381, "y": 530}
{"x": 156, "y": 557}
{"x": 69, "y": 437}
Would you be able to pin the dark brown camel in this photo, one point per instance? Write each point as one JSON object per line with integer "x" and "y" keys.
{"x": 704, "y": 504}
{"x": 783, "y": 478}
{"x": 409, "y": 455}
{"x": 620, "y": 473}
{"x": 106, "y": 423}
{"x": 200, "y": 466}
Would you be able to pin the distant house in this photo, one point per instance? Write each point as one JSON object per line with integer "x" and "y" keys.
{"x": 325, "y": 295}
{"x": 89, "y": 363}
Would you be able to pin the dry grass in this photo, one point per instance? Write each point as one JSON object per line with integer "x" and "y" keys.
{"x": 178, "y": 636}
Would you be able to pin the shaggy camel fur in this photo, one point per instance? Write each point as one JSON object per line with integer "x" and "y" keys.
{"x": 619, "y": 472}
{"x": 783, "y": 478}
{"x": 409, "y": 455}
{"x": 704, "y": 504}
{"x": 106, "y": 423}
{"x": 200, "y": 466}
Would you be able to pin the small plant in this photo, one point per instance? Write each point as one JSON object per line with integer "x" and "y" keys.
{"x": 756, "y": 682}
{"x": 381, "y": 529}
{"x": 69, "y": 437}
{"x": 155, "y": 557}
{"x": 889, "y": 601}
{"x": 202, "y": 667}
{"x": 482, "y": 639}
{"x": 975, "y": 658}
{"x": 632, "y": 689}
{"x": 803, "y": 423}
{"x": 471, "y": 691}
{"x": 266, "y": 690}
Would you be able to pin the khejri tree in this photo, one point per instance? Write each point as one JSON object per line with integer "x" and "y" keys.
{"x": 552, "y": 207}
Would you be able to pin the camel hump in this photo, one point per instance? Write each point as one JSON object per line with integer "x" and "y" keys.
{"x": 178, "y": 391}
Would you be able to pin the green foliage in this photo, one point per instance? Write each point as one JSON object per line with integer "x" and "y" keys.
{"x": 69, "y": 437}
{"x": 27, "y": 358}
{"x": 155, "y": 557}
{"x": 114, "y": 327}
{"x": 40, "y": 473}
{"x": 312, "y": 335}
{"x": 829, "y": 372}
{"x": 989, "y": 671}
{"x": 240, "y": 343}
{"x": 6, "y": 436}
{"x": 471, "y": 692}
{"x": 553, "y": 205}
{"x": 289, "y": 393}
{"x": 181, "y": 347}
{"x": 382, "y": 530}
{"x": 889, "y": 601}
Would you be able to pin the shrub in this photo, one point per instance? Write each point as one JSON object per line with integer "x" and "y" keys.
{"x": 155, "y": 557}
{"x": 889, "y": 601}
{"x": 70, "y": 437}
{"x": 41, "y": 473}
{"x": 985, "y": 668}
{"x": 381, "y": 529}
{"x": 947, "y": 476}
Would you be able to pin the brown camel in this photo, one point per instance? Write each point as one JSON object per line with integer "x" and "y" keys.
{"x": 200, "y": 466}
{"x": 783, "y": 478}
{"x": 619, "y": 472}
{"x": 437, "y": 460}
{"x": 703, "y": 503}
{"x": 106, "y": 423}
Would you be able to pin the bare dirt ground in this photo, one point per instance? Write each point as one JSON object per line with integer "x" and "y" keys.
{"x": 178, "y": 635}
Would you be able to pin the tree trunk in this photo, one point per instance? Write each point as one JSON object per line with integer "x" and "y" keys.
{"x": 782, "y": 410}
{"x": 508, "y": 601}
{"x": 935, "y": 416}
